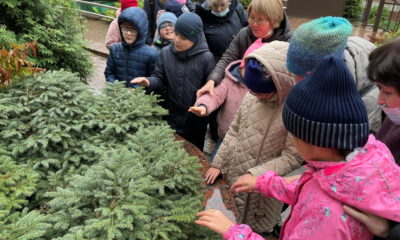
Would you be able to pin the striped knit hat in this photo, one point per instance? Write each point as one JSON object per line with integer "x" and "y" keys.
{"x": 314, "y": 40}
{"x": 325, "y": 109}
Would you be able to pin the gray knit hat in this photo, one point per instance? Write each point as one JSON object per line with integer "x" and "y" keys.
{"x": 190, "y": 26}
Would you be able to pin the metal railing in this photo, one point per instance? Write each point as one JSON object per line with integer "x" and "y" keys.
{"x": 392, "y": 24}
{"x": 96, "y": 5}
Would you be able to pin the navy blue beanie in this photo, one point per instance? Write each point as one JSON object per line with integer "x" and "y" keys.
{"x": 190, "y": 26}
{"x": 174, "y": 7}
{"x": 257, "y": 79}
{"x": 325, "y": 108}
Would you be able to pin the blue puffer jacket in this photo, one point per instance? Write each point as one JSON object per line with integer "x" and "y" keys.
{"x": 128, "y": 61}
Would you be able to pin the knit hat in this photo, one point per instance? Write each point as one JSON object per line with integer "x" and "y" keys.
{"x": 128, "y": 3}
{"x": 314, "y": 40}
{"x": 325, "y": 109}
{"x": 175, "y": 7}
{"x": 256, "y": 44}
{"x": 190, "y": 26}
{"x": 166, "y": 17}
{"x": 257, "y": 79}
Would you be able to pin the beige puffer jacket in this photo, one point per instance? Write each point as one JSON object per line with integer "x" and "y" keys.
{"x": 257, "y": 141}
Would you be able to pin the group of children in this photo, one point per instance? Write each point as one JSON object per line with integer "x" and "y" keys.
{"x": 281, "y": 103}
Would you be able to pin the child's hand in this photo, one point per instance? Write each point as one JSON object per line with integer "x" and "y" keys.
{"x": 211, "y": 175}
{"x": 246, "y": 183}
{"x": 214, "y": 220}
{"x": 144, "y": 82}
{"x": 200, "y": 111}
{"x": 378, "y": 226}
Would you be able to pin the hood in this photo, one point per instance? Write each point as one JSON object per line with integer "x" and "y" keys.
{"x": 197, "y": 48}
{"x": 356, "y": 56}
{"x": 209, "y": 18}
{"x": 229, "y": 68}
{"x": 369, "y": 180}
{"x": 281, "y": 33}
{"x": 138, "y": 18}
{"x": 273, "y": 57}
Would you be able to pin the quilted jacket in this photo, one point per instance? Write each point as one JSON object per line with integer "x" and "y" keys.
{"x": 368, "y": 180}
{"x": 128, "y": 61}
{"x": 257, "y": 141}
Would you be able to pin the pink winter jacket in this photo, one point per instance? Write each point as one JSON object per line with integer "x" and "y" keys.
{"x": 113, "y": 34}
{"x": 369, "y": 181}
{"x": 229, "y": 93}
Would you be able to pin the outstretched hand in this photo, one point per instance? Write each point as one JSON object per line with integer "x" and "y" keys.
{"x": 211, "y": 175}
{"x": 378, "y": 226}
{"x": 207, "y": 88}
{"x": 246, "y": 183}
{"x": 214, "y": 220}
{"x": 200, "y": 111}
{"x": 144, "y": 82}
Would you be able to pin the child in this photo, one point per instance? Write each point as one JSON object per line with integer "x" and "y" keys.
{"x": 257, "y": 140}
{"x": 267, "y": 20}
{"x": 113, "y": 33}
{"x": 165, "y": 28}
{"x": 131, "y": 58}
{"x": 181, "y": 70}
{"x": 228, "y": 95}
{"x": 329, "y": 122}
{"x": 330, "y": 35}
{"x": 384, "y": 69}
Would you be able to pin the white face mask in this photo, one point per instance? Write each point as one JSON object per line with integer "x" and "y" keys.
{"x": 220, "y": 14}
{"x": 393, "y": 114}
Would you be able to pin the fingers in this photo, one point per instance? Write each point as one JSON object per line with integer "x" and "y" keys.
{"x": 200, "y": 92}
{"x": 210, "y": 177}
{"x": 360, "y": 216}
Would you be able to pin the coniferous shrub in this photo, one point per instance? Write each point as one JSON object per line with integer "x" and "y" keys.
{"x": 108, "y": 162}
{"x": 55, "y": 24}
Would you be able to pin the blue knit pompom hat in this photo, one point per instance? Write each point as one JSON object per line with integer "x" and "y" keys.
{"x": 190, "y": 26}
{"x": 325, "y": 108}
{"x": 314, "y": 40}
{"x": 166, "y": 17}
{"x": 257, "y": 79}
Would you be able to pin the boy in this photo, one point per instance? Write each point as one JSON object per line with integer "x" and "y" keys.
{"x": 131, "y": 58}
{"x": 182, "y": 69}
{"x": 165, "y": 28}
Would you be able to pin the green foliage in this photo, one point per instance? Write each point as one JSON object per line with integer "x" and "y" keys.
{"x": 245, "y": 3}
{"x": 55, "y": 25}
{"x": 108, "y": 162}
{"x": 353, "y": 9}
{"x": 24, "y": 226}
{"x": 385, "y": 21}
{"x": 17, "y": 182}
{"x": 7, "y": 38}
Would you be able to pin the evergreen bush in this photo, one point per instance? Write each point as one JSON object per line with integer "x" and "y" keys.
{"x": 104, "y": 166}
{"x": 55, "y": 25}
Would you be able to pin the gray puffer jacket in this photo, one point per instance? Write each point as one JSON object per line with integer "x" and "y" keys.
{"x": 257, "y": 141}
{"x": 356, "y": 57}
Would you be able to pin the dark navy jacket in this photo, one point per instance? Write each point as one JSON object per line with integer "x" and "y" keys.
{"x": 220, "y": 31}
{"x": 178, "y": 76}
{"x": 128, "y": 61}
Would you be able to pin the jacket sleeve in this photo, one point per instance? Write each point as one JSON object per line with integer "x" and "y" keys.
{"x": 110, "y": 69}
{"x": 157, "y": 78}
{"x": 271, "y": 185}
{"x": 230, "y": 55}
{"x": 212, "y": 102}
{"x": 241, "y": 232}
{"x": 288, "y": 161}
{"x": 113, "y": 34}
{"x": 152, "y": 62}
{"x": 394, "y": 233}
{"x": 225, "y": 148}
